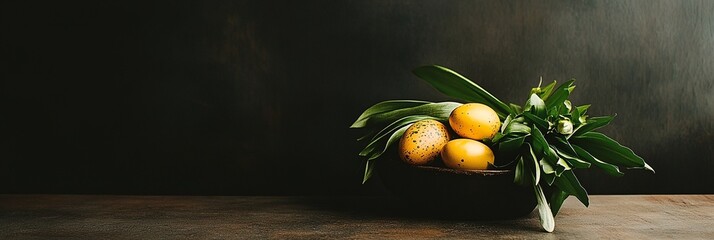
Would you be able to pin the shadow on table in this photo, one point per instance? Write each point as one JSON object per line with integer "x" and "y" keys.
{"x": 389, "y": 207}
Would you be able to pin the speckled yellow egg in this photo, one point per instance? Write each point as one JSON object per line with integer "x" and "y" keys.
{"x": 474, "y": 120}
{"x": 467, "y": 154}
{"x": 422, "y": 142}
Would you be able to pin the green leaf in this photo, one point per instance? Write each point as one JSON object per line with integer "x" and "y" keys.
{"x": 648, "y": 167}
{"x": 536, "y": 166}
{"x": 608, "y": 150}
{"x": 506, "y": 122}
{"x": 570, "y": 184}
{"x": 369, "y": 135}
{"x": 609, "y": 168}
{"x": 542, "y": 124}
{"x": 560, "y": 94}
{"x": 562, "y": 144}
{"x": 562, "y": 165}
{"x": 547, "y": 90}
{"x": 572, "y": 160}
{"x": 453, "y": 84}
{"x": 553, "y": 113}
{"x": 546, "y": 216}
{"x": 568, "y": 105}
{"x": 520, "y": 172}
{"x": 592, "y": 124}
{"x": 539, "y": 142}
{"x": 583, "y": 109}
{"x": 398, "y": 125}
{"x": 385, "y": 106}
{"x": 547, "y": 168}
{"x": 516, "y": 127}
{"x": 368, "y": 169}
{"x": 389, "y": 129}
{"x": 575, "y": 117}
{"x": 515, "y": 109}
{"x": 556, "y": 200}
{"x": 440, "y": 111}
{"x": 496, "y": 138}
{"x": 536, "y": 106}
{"x": 392, "y": 139}
{"x": 511, "y": 144}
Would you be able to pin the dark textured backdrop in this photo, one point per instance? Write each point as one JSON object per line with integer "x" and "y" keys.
{"x": 255, "y": 97}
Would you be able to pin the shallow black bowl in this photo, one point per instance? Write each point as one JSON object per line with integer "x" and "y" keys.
{"x": 464, "y": 194}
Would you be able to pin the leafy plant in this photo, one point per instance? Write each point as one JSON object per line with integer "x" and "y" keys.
{"x": 543, "y": 140}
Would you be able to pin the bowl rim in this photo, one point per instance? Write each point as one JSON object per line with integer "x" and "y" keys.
{"x": 489, "y": 172}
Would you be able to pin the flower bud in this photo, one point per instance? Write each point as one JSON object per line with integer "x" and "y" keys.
{"x": 565, "y": 127}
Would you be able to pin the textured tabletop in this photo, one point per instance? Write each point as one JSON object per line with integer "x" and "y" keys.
{"x": 250, "y": 217}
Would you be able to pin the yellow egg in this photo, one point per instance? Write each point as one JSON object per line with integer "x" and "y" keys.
{"x": 422, "y": 142}
{"x": 474, "y": 120}
{"x": 467, "y": 154}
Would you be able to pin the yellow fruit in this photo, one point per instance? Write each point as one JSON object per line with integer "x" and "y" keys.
{"x": 474, "y": 120}
{"x": 467, "y": 154}
{"x": 422, "y": 142}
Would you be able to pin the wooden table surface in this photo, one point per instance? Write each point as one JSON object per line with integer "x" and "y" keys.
{"x": 213, "y": 217}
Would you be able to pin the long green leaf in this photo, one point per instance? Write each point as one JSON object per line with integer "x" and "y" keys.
{"x": 516, "y": 128}
{"x": 453, "y": 84}
{"x": 608, "y": 150}
{"x": 547, "y": 90}
{"x": 592, "y": 124}
{"x": 536, "y": 166}
{"x": 563, "y": 148}
{"x": 562, "y": 144}
{"x": 583, "y": 109}
{"x": 440, "y": 111}
{"x": 369, "y": 135}
{"x": 369, "y": 150}
{"x": 515, "y": 108}
{"x": 609, "y": 168}
{"x": 560, "y": 94}
{"x": 511, "y": 143}
{"x": 575, "y": 117}
{"x": 368, "y": 170}
{"x": 520, "y": 173}
{"x": 385, "y": 106}
{"x": 572, "y": 160}
{"x": 570, "y": 184}
{"x": 392, "y": 139}
{"x": 396, "y": 135}
{"x": 540, "y": 122}
{"x": 551, "y": 156}
{"x": 547, "y": 221}
{"x": 539, "y": 142}
{"x": 556, "y": 200}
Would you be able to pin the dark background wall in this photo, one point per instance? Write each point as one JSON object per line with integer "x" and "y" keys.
{"x": 255, "y": 97}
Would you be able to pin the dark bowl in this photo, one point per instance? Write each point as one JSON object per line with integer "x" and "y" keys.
{"x": 463, "y": 194}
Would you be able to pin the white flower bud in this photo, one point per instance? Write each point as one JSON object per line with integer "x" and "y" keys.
{"x": 565, "y": 127}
